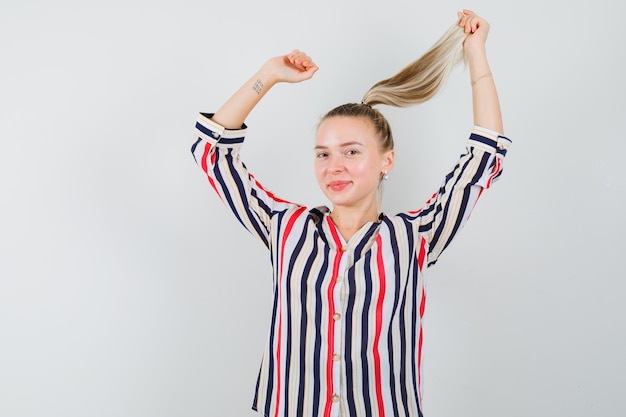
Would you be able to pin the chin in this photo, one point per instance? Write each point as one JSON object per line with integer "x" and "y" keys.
{"x": 342, "y": 202}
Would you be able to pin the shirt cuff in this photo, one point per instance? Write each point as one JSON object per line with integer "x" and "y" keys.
{"x": 489, "y": 140}
{"x": 216, "y": 134}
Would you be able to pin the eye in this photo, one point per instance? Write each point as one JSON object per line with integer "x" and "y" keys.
{"x": 321, "y": 155}
{"x": 351, "y": 152}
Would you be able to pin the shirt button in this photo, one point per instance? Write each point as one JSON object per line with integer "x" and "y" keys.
{"x": 336, "y": 357}
{"x": 344, "y": 248}
{"x": 335, "y": 398}
{"x": 336, "y": 316}
{"x": 339, "y": 278}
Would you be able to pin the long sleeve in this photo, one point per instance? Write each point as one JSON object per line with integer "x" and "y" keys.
{"x": 449, "y": 208}
{"x": 216, "y": 151}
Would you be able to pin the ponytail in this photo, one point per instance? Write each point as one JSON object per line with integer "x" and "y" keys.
{"x": 415, "y": 84}
{"x": 422, "y": 79}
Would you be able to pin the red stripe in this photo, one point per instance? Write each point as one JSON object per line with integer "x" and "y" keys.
{"x": 331, "y": 320}
{"x": 286, "y": 233}
{"x": 269, "y": 193}
{"x": 428, "y": 203}
{"x": 420, "y": 265}
{"x": 379, "y": 323}
{"x": 205, "y": 165}
{"x": 213, "y": 156}
{"x": 421, "y": 257}
{"x": 419, "y": 365}
{"x": 496, "y": 169}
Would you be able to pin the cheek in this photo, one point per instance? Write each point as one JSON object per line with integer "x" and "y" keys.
{"x": 366, "y": 169}
{"x": 318, "y": 170}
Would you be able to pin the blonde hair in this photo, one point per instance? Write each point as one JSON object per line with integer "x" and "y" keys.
{"x": 423, "y": 78}
{"x": 414, "y": 84}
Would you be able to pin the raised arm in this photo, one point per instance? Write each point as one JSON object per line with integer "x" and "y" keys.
{"x": 450, "y": 207}
{"x": 292, "y": 68}
{"x": 486, "y": 105}
{"x": 220, "y": 136}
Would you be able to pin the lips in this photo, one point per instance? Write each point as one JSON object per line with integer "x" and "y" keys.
{"x": 338, "y": 185}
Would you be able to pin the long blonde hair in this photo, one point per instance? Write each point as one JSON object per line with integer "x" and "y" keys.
{"x": 416, "y": 83}
{"x": 422, "y": 79}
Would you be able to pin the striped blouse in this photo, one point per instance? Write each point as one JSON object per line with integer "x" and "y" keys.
{"x": 345, "y": 337}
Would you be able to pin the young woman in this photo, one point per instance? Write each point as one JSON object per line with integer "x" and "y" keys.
{"x": 346, "y": 328}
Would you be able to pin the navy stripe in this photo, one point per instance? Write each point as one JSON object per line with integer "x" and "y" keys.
{"x": 442, "y": 224}
{"x": 248, "y": 211}
{"x": 255, "y": 401}
{"x": 414, "y": 306}
{"x": 351, "y": 284}
{"x": 404, "y": 384}
{"x": 502, "y": 151}
{"x": 193, "y": 149}
{"x": 270, "y": 359}
{"x": 396, "y": 296}
{"x": 206, "y": 130}
{"x": 288, "y": 277}
{"x": 272, "y": 338}
{"x": 231, "y": 141}
{"x": 303, "y": 322}
{"x": 464, "y": 207}
{"x": 317, "y": 349}
{"x": 261, "y": 203}
{"x": 486, "y": 141}
{"x": 363, "y": 244}
{"x": 403, "y": 348}
{"x": 226, "y": 191}
{"x": 367, "y": 301}
{"x": 215, "y": 135}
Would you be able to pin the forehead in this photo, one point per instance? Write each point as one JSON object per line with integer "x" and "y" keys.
{"x": 339, "y": 129}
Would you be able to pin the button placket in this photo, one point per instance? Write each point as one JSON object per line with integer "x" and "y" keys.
{"x": 338, "y": 318}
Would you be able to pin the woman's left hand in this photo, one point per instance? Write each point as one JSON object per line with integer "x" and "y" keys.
{"x": 476, "y": 29}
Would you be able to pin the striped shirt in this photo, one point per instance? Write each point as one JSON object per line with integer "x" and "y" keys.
{"x": 345, "y": 337}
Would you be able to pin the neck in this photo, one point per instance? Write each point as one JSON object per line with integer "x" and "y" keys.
{"x": 349, "y": 220}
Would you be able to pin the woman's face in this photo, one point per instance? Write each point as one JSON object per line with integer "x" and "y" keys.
{"x": 349, "y": 162}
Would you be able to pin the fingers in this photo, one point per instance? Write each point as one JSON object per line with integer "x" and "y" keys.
{"x": 469, "y": 21}
{"x": 301, "y": 61}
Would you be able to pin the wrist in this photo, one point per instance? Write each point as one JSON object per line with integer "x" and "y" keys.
{"x": 477, "y": 62}
{"x": 266, "y": 77}
{"x": 475, "y": 53}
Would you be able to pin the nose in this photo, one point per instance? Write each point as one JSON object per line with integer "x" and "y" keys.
{"x": 335, "y": 165}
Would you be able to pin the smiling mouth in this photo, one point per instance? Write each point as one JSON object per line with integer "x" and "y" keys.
{"x": 338, "y": 185}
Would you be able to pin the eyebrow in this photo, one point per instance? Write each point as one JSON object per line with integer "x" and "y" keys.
{"x": 341, "y": 145}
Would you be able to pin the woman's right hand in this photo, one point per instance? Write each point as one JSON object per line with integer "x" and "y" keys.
{"x": 291, "y": 68}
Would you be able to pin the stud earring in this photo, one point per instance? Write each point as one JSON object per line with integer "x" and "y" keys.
{"x": 385, "y": 176}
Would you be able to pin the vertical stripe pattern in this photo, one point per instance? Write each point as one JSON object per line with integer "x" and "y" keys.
{"x": 345, "y": 336}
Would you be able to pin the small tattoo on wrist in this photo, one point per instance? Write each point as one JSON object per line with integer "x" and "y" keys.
{"x": 258, "y": 86}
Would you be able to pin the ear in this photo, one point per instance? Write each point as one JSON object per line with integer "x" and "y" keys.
{"x": 388, "y": 158}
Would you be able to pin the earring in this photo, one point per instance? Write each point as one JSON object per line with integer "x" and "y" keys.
{"x": 385, "y": 176}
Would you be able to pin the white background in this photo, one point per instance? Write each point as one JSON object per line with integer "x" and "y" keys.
{"x": 127, "y": 289}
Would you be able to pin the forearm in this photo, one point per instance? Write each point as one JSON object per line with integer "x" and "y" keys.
{"x": 486, "y": 106}
{"x": 292, "y": 68}
{"x": 234, "y": 112}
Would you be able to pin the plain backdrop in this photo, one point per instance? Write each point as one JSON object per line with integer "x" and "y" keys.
{"x": 128, "y": 289}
